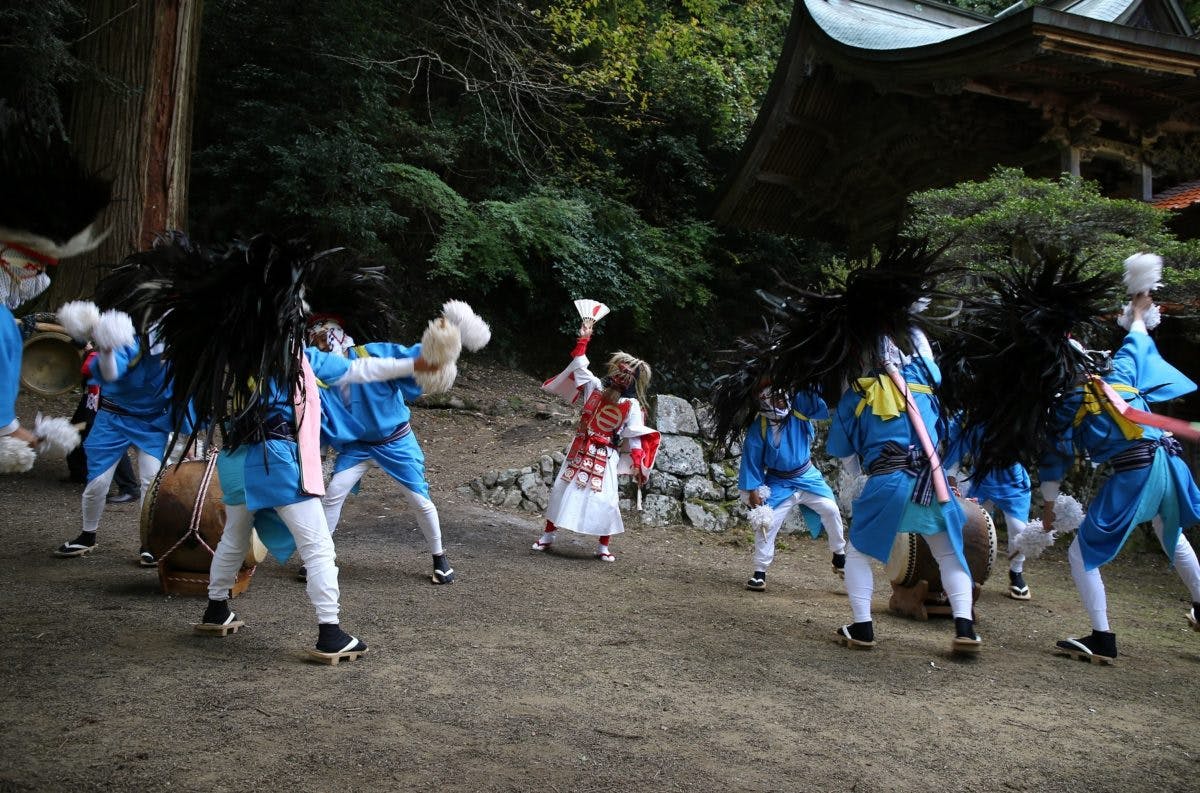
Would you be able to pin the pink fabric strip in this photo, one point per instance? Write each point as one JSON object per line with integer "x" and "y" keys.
{"x": 914, "y": 416}
{"x": 308, "y": 434}
{"x": 1187, "y": 430}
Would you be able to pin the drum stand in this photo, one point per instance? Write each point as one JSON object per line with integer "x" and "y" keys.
{"x": 917, "y": 602}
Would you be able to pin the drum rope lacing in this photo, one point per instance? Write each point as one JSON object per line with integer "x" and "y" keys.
{"x": 197, "y": 509}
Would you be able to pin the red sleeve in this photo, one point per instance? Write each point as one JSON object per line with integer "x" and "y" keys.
{"x": 580, "y": 346}
{"x": 86, "y": 368}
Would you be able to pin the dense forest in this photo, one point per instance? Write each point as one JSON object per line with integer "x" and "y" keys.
{"x": 516, "y": 155}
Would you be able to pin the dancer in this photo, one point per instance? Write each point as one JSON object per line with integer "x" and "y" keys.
{"x": 133, "y": 409}
{"x": 776, "y": 454}
{"x": 611, "y": 439}
{"x": 369, "y": 424}
{"x": 234, "y": 329}
{"x": 878, "y": 428}
{"x": 1150, "y": 481}
{"x": 1008, "y": 490}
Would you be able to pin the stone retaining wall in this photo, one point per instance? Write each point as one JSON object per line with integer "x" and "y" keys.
{"x": 694, "y": 482}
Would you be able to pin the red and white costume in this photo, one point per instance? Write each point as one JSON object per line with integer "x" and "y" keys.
{"x": 611, "y": 439}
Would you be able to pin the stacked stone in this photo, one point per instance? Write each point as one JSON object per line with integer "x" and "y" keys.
{"x": 694, "y": 481}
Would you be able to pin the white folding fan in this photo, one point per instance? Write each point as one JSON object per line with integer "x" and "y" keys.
{"x": 591, "y": 309}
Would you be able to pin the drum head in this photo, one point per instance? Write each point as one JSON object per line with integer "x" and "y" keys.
{"x": 50, "y": 363}
{"x": 901, "y": 567}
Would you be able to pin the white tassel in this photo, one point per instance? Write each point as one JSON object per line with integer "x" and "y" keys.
{"x": 1068, "y": 514}
{"x": 15, "y": 456}
{"x": 1034, "y": 539}
{"x": 475, "y": 333}
{"x": 1143, "y": 273}
{"x": 441, "y": 343}
{"x": 114, "y": 330}
{"x": 1151, "y": 316}
{"x": 760, "y": 519}
{"x": 78, "y": 318}
{"x": 56, "y": 435}
{"x": 437, "y": 382}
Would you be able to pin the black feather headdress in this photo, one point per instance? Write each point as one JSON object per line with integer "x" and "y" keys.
{"x": 49, "y": 202}
{"x": 232, "y": 324}
{"x": 822, "y": 341}
{"x": 352, "y": 293}
{"x": 1015, "y": 356}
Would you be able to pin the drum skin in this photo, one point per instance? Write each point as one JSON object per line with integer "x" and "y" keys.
{"x": 50, "y": 363}
{"x": 167, "y": 513}
{"x": 911, "y": 560}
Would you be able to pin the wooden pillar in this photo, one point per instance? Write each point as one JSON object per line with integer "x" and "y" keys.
{"x": 1146, "y": 188}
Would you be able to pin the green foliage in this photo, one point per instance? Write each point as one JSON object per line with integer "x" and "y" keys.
{"x": 36, "y": 59}
{"x": 1011, "y": 216}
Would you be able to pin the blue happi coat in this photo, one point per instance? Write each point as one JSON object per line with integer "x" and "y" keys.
{"x": 135, "y": 408}
{"x": 861, "y": 427}
{"x": 768, "y": 461}
{"x": 1091, "y": 426}
{"x": 1010, "y": 489}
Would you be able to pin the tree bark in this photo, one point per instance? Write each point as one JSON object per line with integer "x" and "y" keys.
{"x": 132, "y": 123}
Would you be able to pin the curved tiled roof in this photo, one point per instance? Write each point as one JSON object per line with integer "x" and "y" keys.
{"x": 1178, "y": 197}
{"x": 880, "y": 28}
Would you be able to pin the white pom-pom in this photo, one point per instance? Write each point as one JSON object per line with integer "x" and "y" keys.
{"x": 1151, "y": 316}
{"x": 78, "y": 318}
{"x": 760, "y": 518}
{"x": 114, "y": 330}
{"x": 56, "y": 435}
{"x": 441, "y": 342}
{"x": 919, "y": 305}
{"x": 473, "y": 331}
{"x": 1034, "y": 539}
{"x": 1068, "y": 514}
{"x": 764, "y": 492}
{"x": 1143, "y": 273}
{"x": 15, "y": 456}
{"x": 438, "y": 382}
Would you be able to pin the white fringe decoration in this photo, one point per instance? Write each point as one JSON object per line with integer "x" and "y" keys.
{"x": 114, "y": 330}
{"x": 760, "y": 519}
{"x": 1151, "y": 316}
{"x": 15, "y": 456}
{"x": 474, "y": 331}
{"x": 1143, "y": 273}
{"x": 56, "y": 435}
{"x": 78, "y": 318}
{"x": 1068, "y": 514}
{"x": 437, "y": 382}
{"x": 441, "y": 343}
{"x": 1034, "y": 539}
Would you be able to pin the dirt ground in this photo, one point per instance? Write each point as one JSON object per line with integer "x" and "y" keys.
{"x": 558, "y": 672}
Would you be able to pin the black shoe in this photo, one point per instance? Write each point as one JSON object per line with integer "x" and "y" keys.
{"x": 146, "y": 559}
{"x": 121, "y": 498}
{"x": 966, "y": 640}
{"x": 443, "y": 573}
{"x": 1099, "y": 648}
{"x": 1017, "y": 590}
{"x": 302, "y": 574}
{"x": 334, "y": 644}
{"x": 82, "y": 545}
{"x": 860, "y": 635}
{"x": 758, "y": 581}
{"x": 839, "y": 565}
{"x": 218, "y": 619}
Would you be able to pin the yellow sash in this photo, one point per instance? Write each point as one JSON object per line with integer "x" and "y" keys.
{"x": 1094, "y": 402}
{"x": 884, "y": 398}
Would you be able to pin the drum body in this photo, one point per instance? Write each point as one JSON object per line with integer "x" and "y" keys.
{"x": 912, "y": 562}
{"x": 50, "y": 363}
{"x": 181, "y": 524}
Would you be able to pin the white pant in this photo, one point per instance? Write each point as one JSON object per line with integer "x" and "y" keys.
{"x": 956, "y": 581}
{"x": 1014, "y": 526}
{"x": 306, "y": 521}
{"x": 96, "y": 491}
{"x": 1091, "y": 585}
{"x": 826, "y": 509}
{"x": 344, "y": 481}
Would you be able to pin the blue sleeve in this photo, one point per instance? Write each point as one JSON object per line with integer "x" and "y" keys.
{"x": 751, "y": 472}
{"x": 810, "y": 405}
{"x": 839, "y": 443}
{"x": 1139, "y": 364}
{"x": 409, "y": 388}
{"x": 328, "y": 368}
